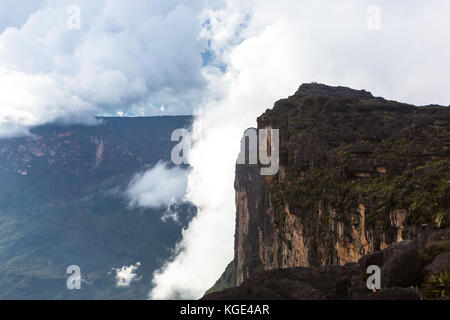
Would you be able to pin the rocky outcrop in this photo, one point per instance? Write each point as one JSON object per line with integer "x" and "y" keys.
{"x": 356, "y": 174}
{"x": 440, "y": 264}
{"x": 399, "y": 264}
{"x": 346, "y": 282}
{"x": 400, "y": 271}
{"x": 321, "y": 283}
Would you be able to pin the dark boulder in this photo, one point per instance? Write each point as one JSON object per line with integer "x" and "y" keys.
{"x": 440, "y": 264}
{"x": 312, "y": 283}
{"x": 395, "y": 293}
{"x": 399, "y": 264}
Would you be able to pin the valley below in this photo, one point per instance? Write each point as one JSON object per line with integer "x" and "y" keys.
{"x": 62, "y": 203}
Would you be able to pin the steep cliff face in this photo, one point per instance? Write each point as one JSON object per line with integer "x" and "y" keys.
{"x": 357, "y": 173}
{"x": 113, "y": 144}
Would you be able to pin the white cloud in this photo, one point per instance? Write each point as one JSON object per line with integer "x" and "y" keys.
{"x": 14, "y": 14}
{"x": 157, "y": 187}
{"x": 283, "y": 44}
{"x": 28, "y": 99}
{"x": 126, "y": 274}
{"x": 127, "y": 57}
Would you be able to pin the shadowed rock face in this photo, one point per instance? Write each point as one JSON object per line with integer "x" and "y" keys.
{"x": 440, "y": 264}
{"x": 357, "y": 173}
{"x": 318, "y": 89}
{"x": 115, "y": 144}
{"x": 400, "y": 273}
{"x": 399, "y": 264}
{"x": 346, "y": 282}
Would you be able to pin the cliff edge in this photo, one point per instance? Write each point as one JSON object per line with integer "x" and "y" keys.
{"x": 357, "y": 173}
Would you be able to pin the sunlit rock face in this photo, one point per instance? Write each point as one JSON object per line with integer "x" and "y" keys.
{"x": 357, "y": 173}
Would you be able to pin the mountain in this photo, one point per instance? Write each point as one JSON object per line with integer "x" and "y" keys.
{"x": 62, "y": 203}
{"x": 358, "y": 175}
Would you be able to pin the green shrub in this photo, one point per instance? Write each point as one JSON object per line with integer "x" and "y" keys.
{"x": 437, "y": 286}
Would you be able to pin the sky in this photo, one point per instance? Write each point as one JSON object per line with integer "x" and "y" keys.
{"x": 224, "y": 61}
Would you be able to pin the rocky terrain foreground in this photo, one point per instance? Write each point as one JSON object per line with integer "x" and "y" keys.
{"x": 362, "y": 181}
{"x": 401, "y": 275}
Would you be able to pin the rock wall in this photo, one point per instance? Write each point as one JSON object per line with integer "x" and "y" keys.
{"x": 357, "y": 173}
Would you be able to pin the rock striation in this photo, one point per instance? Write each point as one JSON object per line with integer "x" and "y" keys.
{"x": 357, "y": 173}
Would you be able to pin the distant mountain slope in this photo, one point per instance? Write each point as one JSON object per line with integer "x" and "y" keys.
{"x": 61, "y": 204}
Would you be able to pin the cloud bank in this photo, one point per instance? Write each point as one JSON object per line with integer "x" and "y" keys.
{"x": 139, "y": 58}
{"x": 269, "y": 48}
{"x": 157, "y": 187}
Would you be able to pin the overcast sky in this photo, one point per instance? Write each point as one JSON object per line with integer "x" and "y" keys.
{"x": 72, "y": 60}
{"x": 225, "y": 61}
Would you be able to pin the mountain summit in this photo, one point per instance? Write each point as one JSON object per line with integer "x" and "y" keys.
{"x": 357, "y": 175}
{"x": 318, "y": 89}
